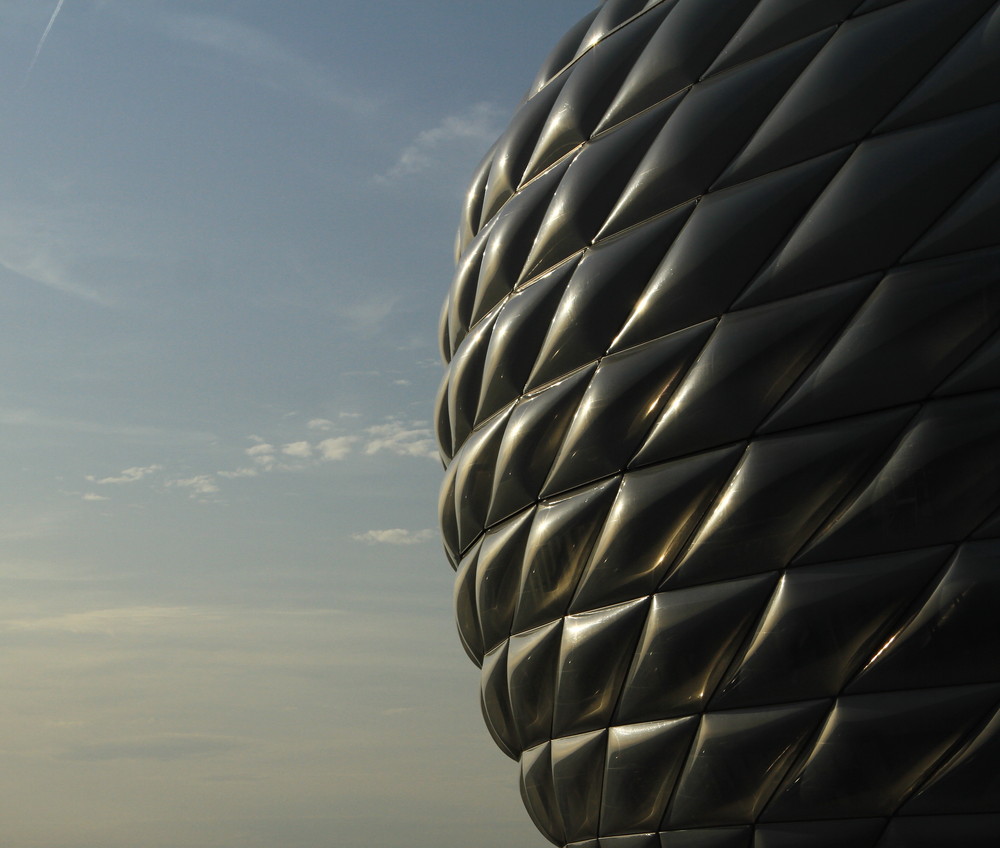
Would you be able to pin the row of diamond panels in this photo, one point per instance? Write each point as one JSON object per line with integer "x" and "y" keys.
{"x": 721, "y": 423}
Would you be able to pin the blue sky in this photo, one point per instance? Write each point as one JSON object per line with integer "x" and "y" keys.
{"x": 226, "y": 228}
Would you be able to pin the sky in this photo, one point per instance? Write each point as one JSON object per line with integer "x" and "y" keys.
{"x": 226, "y": 229}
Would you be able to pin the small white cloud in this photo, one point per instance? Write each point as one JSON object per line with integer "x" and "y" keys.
{"x": 336, "y": 447}
{"x": 201, "y": 484}
{"x": 262, "y": 454}
{"x": 394, "y": 536}
{"x": 302, "y": 450}
{"x": 128, "y": 475}
{"x": 401, "y": 382}
{"x": 402, "y": 439}
{"x": 239, "y": 472}
{"x": 321, "y": 424}
{"x": 348, "y": 414}
{"x": 478, "y": 126}
{"x": 93, "y": 496}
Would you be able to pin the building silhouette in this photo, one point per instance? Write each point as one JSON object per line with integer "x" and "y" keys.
{"x": 722, "y": 427}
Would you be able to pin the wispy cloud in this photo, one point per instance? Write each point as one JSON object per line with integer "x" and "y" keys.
{"x": 128, "y": 475}
{"x": 414, "y": 438}
{"x": 160, "y": 747}
{"x": 19, "y": 524}
{"x": 32, "y": 418}
{"x": 74, "y": 247}
{"x": 37, "y": 264}
{"x": 114, "y": 621}
{"x": 477, "y": 127}
{"x": 394, "y": 536}
{"x": 276, "y": 65}
{"x": 366, "y": 313}
{"x": 396, "y": 437}
{"x": 237, "y": 473}
{"x": 199, "y": 485}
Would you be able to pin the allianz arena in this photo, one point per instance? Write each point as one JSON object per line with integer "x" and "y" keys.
{"x": 721, "y": 422}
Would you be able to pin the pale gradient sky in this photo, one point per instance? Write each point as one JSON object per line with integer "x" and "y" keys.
{"x": 225, "y": 232}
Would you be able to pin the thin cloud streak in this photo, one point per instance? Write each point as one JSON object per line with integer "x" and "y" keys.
{"x": 477, "y": 127}
{"x": 128, "y": 475}
{"x": 164, "y": 748}
{"x": 394, "y": 536}
{"x": 45, "y": 271}
{"x": 86, "y": 249}
{"x": 279, "y": 67}
{"x": 13, "y": 417}
{"x": 42, "y": 40}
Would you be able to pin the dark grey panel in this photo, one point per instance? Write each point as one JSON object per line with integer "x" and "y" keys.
{"x": 874, "y": 749}
{"x": 737, "y": 761}
{"x": 837, "y": 833}
{"x": 644, "y": 760}
{"x": 689, "y": 640}
{"x": 833, "y": 102}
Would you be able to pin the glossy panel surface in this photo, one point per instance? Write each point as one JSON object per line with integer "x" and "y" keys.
{"x": 689, "y": 639}
{"x": 737, "y": 761}
{"x": 874, "y": 749}
{"x": 643, "y": 762}
{"x": 596, "y": 647}
{"x": 654, "y": 513}
{"x": 722, "y": 427}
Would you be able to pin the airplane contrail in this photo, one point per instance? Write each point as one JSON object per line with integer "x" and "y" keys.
{"x": 45, "y": 35}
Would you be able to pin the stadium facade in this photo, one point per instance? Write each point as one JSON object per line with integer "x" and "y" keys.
{"x": 721, "y": 423}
